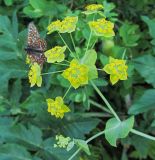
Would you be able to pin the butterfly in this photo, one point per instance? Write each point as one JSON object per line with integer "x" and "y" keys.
{"x": 35, "y": 45}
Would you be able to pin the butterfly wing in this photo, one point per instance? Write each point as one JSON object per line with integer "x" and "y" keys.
{"x": 38, "y": 58}
{"x": 34, "y": 40}
{"x": 36, "y": 46}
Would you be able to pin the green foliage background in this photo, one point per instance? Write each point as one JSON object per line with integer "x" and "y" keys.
{"x": 27, "y": 130}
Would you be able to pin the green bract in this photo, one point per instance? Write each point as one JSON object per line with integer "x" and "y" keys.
{"x": 116, "y": 129}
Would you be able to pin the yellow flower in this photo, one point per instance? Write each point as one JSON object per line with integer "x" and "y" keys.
{"x": 35, "y": 75}
{"x": 77, "y": 74}
{"x": 102, "y": 27}
{"x": 62, "y": 141}
{"x": 92, "y": 8}
{"x": 117, "y": 69}
{"x": 55, "y": 54}
{"x": 28, "y": 61}
{"x": 67, "y": 25}
{"x": 54, "y": 26}
{"x": 57, "y": 107}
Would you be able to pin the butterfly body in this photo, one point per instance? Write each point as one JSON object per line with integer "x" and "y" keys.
{"x": 35, "y": 45}
{"x": 30, "y": 50}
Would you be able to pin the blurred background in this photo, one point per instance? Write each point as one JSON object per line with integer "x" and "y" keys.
{"x": 27, "y": 130}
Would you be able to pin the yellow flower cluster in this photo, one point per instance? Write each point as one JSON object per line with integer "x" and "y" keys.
{"x": 62, "y": 141}
{"x": 77, "y": 74}
{"x": 94, "y": 7}
{"x": 57, "y": 107}
{"x": 102, "y": 27}
{"x": 117, "y": 69}
{"x": 55, "y": 54}
{"x": 54, "y": 26}
{"x": 35, "y": 75}
{"x": 67, "y": 25}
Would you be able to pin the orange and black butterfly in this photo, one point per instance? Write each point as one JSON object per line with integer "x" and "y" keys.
{"x": 35, "y": 45}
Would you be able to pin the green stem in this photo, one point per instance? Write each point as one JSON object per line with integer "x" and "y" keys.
{"x": 66, "y": 45}
{"x": 66, "y": 61}
{"x": 72, "y": 41}
{"x": 74, "y": 154}
{"x": 74, "y": 45}
{"x": 90, "y": 36}
{"x": 124, "y": 54}
{"x": 52, "y": 72}
{"x": 67, "y": 91}
{"x": 142, "y": 134}
{"x": 93, "y": 44}
{"x": 90, "y": 139}
{"x": 94, "y": 114}
{"x": 95, "y": 136}
{"x": 88, "y": 41}
{"x": 105, "y": 101}
{"x": 49, "y": 20}
{"x": 99, "y": 106}
{"x": 102, "y": 132}
{"x": 116, "y": 116}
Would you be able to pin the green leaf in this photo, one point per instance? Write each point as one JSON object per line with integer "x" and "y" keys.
{"x": 151, "y": 25}
{"x": 152, "y": 150}
{"x": 141, "y": 149}
{"x": 43, "y": 8}
{"x": 108, "y": 11}
{"x": 78, "y": 96}
{"x": 129, "y": 34}
{"x": 28, "y": 10}
{"x": 92, "y": 74}
{"x": 15, "y": 25}
{"x": 145, "y": 66}
{"x": 54, "y": 153}
{"x": 8, "y": 2}
{"x": 76, "y": 128}
{"x": 153, "y": 123}
{"x": 38, "y": 4}
{"x": 16, "y": 92}
{"x": 63, "y": 82}
{"x": 117, "y": 129}
{"x": 144, "y": 104}
{"x": 82, "y": 145}
{"x": 14, "y": 152}
{"x": 35, "y": 9}
{"x": 34, "y": 103}
{"x": 8, "y": 43}
{"x": 104, "y": 59}
{"x": 89, "y": 59}
{"x": 70, "y": 145}
{"x": 11, "y": 69}
{"x": 30, "y": 137}
{"x": 100, "y": 82}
